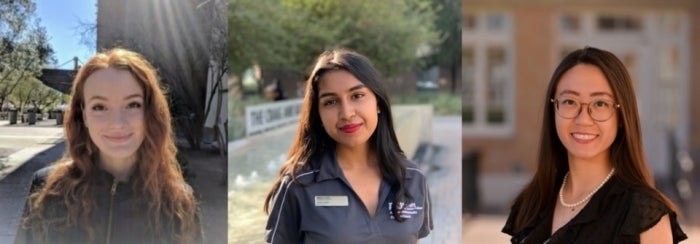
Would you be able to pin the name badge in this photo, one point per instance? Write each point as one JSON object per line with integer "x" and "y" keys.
{"x": 331, "y": 201}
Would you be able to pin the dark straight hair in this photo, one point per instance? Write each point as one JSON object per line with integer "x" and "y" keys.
{"x": 312, "y": 141}
{"x": 626, "y": 152}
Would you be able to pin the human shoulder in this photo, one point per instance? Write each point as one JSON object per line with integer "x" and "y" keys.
{"x": 301, "y": 177}
{"x": 646, "y": 208}
{"x": 187, "y": 188}
{"x": 40, "y": 176}
{"x": 413, "y": 171}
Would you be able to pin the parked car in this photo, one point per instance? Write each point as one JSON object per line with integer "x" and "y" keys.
{"x": 427, "y": 85}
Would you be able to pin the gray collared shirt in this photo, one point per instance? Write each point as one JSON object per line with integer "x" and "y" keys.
{"x": 325, "y": 209}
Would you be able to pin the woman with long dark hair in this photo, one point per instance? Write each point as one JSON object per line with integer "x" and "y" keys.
{"x": 592, "y": 183}
{"x": 346, "y": 180}
{"x": 119, "y": 181}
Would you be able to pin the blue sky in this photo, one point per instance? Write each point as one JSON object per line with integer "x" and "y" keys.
{"x": 61, "y": 18}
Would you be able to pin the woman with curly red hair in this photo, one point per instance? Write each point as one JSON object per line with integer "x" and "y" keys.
{"x": 119, "y": 181}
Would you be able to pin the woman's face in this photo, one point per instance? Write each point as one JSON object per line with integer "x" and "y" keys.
{"x": 348, "y": 109}
{"x": 114, "y": 113}
{"x": 586, "y": 135}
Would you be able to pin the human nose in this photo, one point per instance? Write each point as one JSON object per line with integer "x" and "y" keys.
{"x": 347, "y": 110}
{"x": 584, "y": 117}
{"x": 118, "y": 118}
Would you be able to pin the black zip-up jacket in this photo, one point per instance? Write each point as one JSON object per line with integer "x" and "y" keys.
{"x": 120, "y": 216}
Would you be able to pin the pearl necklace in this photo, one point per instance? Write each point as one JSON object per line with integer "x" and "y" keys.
{"x": 585, "y": 199}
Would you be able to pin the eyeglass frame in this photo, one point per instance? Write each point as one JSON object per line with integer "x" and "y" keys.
{"x": 580, "y": 108}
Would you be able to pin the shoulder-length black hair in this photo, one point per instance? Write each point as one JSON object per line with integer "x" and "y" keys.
{"x": 312, "y": 141}
{"x": 626, "y": 154}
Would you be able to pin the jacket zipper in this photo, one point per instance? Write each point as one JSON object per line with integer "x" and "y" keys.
{"x": 112, "y": 191}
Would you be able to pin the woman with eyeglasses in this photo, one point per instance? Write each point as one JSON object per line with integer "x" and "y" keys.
{"x": 592, "y": 183}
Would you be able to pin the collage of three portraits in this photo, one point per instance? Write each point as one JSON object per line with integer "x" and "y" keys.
{"x": 329, "y": 121}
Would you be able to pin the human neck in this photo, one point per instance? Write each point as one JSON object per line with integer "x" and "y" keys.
{"x": 120, "y": 168}
{"x": 355, "y": 157}
{"x": 587, "y": 174}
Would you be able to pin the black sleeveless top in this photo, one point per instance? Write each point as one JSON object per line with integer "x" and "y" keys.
{"x": 615, "y": 214}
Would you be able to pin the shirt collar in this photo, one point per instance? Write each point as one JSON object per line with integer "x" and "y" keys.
{"x": 328, "y": 167}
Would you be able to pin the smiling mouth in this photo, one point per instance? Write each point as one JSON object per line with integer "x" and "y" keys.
{"x": 583, "y": 137}
{"x": 118, "y": 138}
{"x": 350, "y": 128}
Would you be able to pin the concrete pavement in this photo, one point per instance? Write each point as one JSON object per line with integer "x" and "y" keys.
{"x": 20, "y": 142}
{"x": 445, "y": 180}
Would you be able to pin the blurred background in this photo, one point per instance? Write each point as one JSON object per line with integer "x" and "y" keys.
{"x": 415, "y": 44}
{"x": 509, "y": 52}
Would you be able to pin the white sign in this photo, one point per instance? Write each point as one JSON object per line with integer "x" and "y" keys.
{"x": 269, "y": 115}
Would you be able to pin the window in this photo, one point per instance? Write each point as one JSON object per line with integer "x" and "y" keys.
{"x": 671, "y": 23}
{"x": 468, "y": 85}
{"x": 495, "y": 22}
{"x": 570, "y": 23}
{"x": 669, "y": 85}
{"x": 469, "y": 22}
{"x": 619, "y": 23}
{"x": 487, "y": 76}
{"x": 496, "y": 81}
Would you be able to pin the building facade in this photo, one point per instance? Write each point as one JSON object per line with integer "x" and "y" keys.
{"x": 511, "y": 49}
{"x": 186, "y": 41}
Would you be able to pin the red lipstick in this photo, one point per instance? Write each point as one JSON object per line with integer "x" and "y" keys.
{"x": 350, "y": 128}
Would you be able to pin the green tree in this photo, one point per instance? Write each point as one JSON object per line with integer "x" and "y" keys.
{"x": 24, "y": 47}
{"x": 391, "y": 33}
{"x": 25, "y": 91}
{"x": 448, "y": 53}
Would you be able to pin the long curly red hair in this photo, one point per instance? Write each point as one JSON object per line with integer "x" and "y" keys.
{"x": 157, "y": 175}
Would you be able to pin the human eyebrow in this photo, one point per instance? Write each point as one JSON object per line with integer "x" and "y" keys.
{"x": 354, "y": 88}
{"x": 97, "y": 97}
{"x": 357, "y": 87}
{"x": 596, "y": 94}
{"x": 575, "y": 93}
{"x": 327, "y": 94}
{"x": 135, "y": 95}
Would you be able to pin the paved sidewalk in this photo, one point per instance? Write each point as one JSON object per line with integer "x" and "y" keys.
{"x": 484, "y": 229}
{"x": 20, "y": 142}
{"x": 445, "y": 180}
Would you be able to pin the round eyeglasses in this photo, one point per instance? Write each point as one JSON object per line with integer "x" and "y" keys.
{"x": 600, "y": 110}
